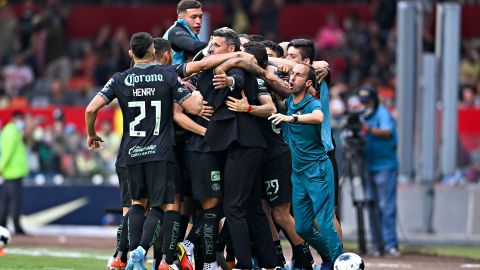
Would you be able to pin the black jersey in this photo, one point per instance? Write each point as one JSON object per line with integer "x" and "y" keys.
{"x": 146, "y": 93}
{"x": 273, "y": 135}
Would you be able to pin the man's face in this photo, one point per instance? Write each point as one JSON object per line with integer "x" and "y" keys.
{"x": 270, "y": 52}
{"x": 293, "y": 54}
{"x": 298, "y": 79}
{"x": 243, "y": 41}
{"x": 193, "y": 17}
{"x": 219, "y": 45}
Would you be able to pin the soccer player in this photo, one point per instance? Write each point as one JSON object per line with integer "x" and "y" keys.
{"x": 206, "y": 183}
{"x": 183, "y": 34}
{"x": 312, "y": 177}
{"x": 303, "y": 51}
{"x": 237, "y": 137}
{"x": 276, "y": 165}
{"x": 145, "y": 93}
{"x": 119, "y": 259}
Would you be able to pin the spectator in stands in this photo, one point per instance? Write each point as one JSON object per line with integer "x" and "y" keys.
{"x": 267, "y": 12}
{"x": 110, "y": 149}
{"x": 120, "y": 46}
{"x": 26, "y": 25}
{"x": 330, "y": 34}
{"x": 5, "y": 91}
{"x": 19, "y": 75}
{"x": 470, "y": 64}
{"x": 467, "y": 98}
{"x": 58, "y": 65}
{"x": 8, "y": 32}
{"x": 58, "y": 95}
{"x": 13, "y": 168}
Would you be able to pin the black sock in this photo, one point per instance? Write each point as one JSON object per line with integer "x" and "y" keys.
{"x": 170, "y": 235}
{"x": 151, "y": 227}
{"x": 136, "y": 219}
{"x": 304, "y": 258}
{"x": 123, "y": 241}
{"x": 223, "y": 238}
{"x": 210, "y": 234}
{"x": 157, "y": 250}
{"x": 195, "y": 234}
{"x": 279, "y": 250}
{"x": 183, "y": 227}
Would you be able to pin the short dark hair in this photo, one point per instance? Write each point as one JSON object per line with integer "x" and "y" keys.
{"x": 305, "y": 46}
{"x": 187, "y": 4}
{"x": 140, "y": 43}
{"x": 244, "y": 36}
{"x": 161, "y": 46}
{"x": 256, "y": 38}
{"x": 230, "y": 36}
{"x": 258, "y": 50}
{"x": 18, "y": 114}
{"x": 274, "y": 47}
{"x": 311, "y": 75}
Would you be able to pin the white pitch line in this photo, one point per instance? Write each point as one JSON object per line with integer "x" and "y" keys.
{"x": 389, "y": 265}
{"x": 471, "y": 266}
{"x": 50, "y": 253}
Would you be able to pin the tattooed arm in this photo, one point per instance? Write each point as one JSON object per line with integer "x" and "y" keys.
{"x": 278, "y": 86}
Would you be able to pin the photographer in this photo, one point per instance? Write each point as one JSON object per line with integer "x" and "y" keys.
{"x": 381, "y": 160}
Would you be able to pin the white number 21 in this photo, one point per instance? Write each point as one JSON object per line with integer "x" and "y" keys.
{"x": 141, "y": 104}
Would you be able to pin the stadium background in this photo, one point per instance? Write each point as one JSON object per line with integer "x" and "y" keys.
{"x": 55, "y": 56}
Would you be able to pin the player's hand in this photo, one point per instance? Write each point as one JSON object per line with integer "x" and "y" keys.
{"x": 322, "y": 68}
{"x": 94, "y": 142}
{"x": 221, "y": 81}
{"x": 277, "y": 118}
{"x": 283, "y": 69}
{"x": 238, "y": 105}
{"x": 206, "y": 112}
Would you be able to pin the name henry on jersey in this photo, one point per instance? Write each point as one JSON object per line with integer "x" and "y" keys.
{"x": 138, "y": 151}
{"x": 140, "y": 92}
{"x": 133, "y": 78}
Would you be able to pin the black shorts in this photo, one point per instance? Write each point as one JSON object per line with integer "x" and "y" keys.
{"x": 153, "y": 180}
{"x": 123, "y": 184}
{"x": 206, "y": 174}
{"x": 333, "y": 160}
{"x": 182, "y": 177}
{"x": 276, "y": 180}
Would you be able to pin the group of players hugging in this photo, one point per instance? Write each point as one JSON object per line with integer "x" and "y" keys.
{"x": 229, "y": 140}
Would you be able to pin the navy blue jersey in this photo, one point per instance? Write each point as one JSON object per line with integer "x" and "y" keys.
{"x": 275, "y": 144}
{"x": 145, "y": 94}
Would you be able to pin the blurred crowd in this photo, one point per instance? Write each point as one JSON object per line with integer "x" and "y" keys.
{"x": 40, "y": 66}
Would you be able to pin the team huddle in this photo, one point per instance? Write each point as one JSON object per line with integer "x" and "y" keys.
{"x": 231, "y": 136}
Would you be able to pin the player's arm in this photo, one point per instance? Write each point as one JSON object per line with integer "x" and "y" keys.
{"x": 184, "y": 42}
{"x": 281, "y": 62}
{"x": 277, "y": 85}
{"x": 192, "y": 103}
{"x": 213, "y": 61}
{"x": 315, "y": 117}
{"x": 241, "y": 105}
{"x": 93, "y": 140}
{"x": 186, "y": 122}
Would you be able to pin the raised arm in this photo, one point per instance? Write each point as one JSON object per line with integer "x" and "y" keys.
{"x": 264, "y": 110}
{"x": 273, "y": 81}
{"x": 213, "y": 61}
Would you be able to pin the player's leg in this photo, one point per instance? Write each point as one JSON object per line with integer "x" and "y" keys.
{"x": 336, "y": 221}
{"x": 120, "y": 257}
{"x": 260, "y": 232}
{"x": 136, "y": 216}
{"x": 320, "y": 188}
{"x": 238, "y": 184}
{"x": 207, "y": 189}
{"x": 275, "y": 236}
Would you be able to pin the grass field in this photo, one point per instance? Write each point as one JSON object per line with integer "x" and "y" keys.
{"x": 52, "y": 259}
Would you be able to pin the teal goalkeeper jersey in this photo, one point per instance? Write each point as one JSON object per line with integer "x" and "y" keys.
{"x": 305, "y": 140}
